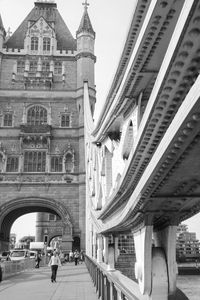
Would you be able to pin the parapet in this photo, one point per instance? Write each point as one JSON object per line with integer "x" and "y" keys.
{"x": 23, "y": 51}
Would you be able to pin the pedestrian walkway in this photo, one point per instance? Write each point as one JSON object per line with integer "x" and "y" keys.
{"x": 73, "y": 283}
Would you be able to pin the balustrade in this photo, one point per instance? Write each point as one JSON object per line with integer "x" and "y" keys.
{"x": 112, "y": 285}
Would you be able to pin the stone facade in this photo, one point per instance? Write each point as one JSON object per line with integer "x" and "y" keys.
{"x": 42, "y": 160}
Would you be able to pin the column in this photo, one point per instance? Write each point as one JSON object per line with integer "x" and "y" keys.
{"x": 105, "y": 242}
{"x": 116, "y": 240}
{"x": 155, "y": 266}
{"x": 108, "y": 171}
{"x": 99, "y": 248}
{"x": 111, "y": 257}
{"x": 94, "y": 245}
{"x": 166, "y": 238}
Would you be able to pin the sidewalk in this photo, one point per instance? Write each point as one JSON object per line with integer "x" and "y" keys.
{"x": 73, "y": 283}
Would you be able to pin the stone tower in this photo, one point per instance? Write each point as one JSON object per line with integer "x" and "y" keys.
{"x": 42, "y": 160}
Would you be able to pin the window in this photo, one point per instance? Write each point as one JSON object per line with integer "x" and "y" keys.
{"x": 34, "y": 43}
{"x": 65, "y": 120}
{"x": 1, "y": 163}
{"x": 68, "y": 162}
{"x": 58, "y": 68}
{"x": 56, "y": 164}
{"x": 52, "y": 217}
{"x": 37, "y": 115}
{"x": 34, "y": 161}
{"x": 46, "y": 44}
{"x": 45, "y": 66}
{"x": 7, "y": 120}
{"x": 20, "y": 66}
{"x": 33, "y": 66}
{"x": 12, "y": 164}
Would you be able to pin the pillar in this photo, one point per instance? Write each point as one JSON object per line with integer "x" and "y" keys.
{"x": 99, "y": 249}
{"x": 116, "y": 240}
{"x": 94, "y": 245}
{"x": 111, "y": 257}
{"x": 105, "y": 254}
{"x": 155, "y": 266}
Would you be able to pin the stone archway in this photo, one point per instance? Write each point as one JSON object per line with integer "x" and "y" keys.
{"x": 13, "y": 209}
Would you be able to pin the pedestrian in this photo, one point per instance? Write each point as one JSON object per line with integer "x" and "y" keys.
{"x": 37, "y": 260}
{"x": 76, "y": 257}
{"x": 71, "y": 255}
{"x": 81, "y": 256}
{"x": 54, "y": 263}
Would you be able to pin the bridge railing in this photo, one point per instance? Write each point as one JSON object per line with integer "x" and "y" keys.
{"x": 111, "y": 284}
{"x": 10, "y": 268}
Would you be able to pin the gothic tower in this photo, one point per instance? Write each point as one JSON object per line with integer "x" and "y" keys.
{"x": 42, "y": 160}
{"x": 2, "y": 38}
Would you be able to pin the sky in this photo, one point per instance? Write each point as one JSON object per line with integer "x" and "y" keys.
{"x": 110, "y": 20}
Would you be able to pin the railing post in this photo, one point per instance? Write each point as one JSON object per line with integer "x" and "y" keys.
{"x": 108, "y": 284}
{"x": 102, "y": 287}
{"x": 119, "y": 293}
{"x": 99, "y": 284}
{"x": 111, "y": 291}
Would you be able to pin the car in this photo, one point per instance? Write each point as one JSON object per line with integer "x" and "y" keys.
{"x": 5, "y": 255}
{"x": 19, "y": 254}
{"x": 32, "y": 254}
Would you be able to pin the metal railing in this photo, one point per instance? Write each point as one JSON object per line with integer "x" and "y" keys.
{"x": 111, "y": 285}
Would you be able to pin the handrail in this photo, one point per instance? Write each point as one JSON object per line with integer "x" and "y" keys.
{"x": 112, "y": 285}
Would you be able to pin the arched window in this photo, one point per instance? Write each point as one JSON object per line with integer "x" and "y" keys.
{"x": 45, "y": 66}
{"x": 34, "y": 161}
{"x": 37, "y": 115}
{"x": 68, "y": 162}
{"x": 56, "y": 164}
{"x": 46, "y": 44}
{"x": 34, "y": 43}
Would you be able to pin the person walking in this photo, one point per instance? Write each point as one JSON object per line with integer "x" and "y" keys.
{"x": 54, "y": 263}
{"x": 71, "y": 255}
{"x": 76, "y": 257}
{"x": 81, "y": 256}
{"x": 37, "y": 260}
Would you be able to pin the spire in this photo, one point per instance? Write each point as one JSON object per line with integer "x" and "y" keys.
{"x": 85, "y": 25}
{"x": 1, "y": 25}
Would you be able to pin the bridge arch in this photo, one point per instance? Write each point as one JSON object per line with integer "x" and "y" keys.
{"x": 15, "y": 208}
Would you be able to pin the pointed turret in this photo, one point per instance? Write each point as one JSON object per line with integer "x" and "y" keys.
{"x": 85, "y": 46}
{"x": 85, "y": 25}
{"x": 2, "y": 33}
